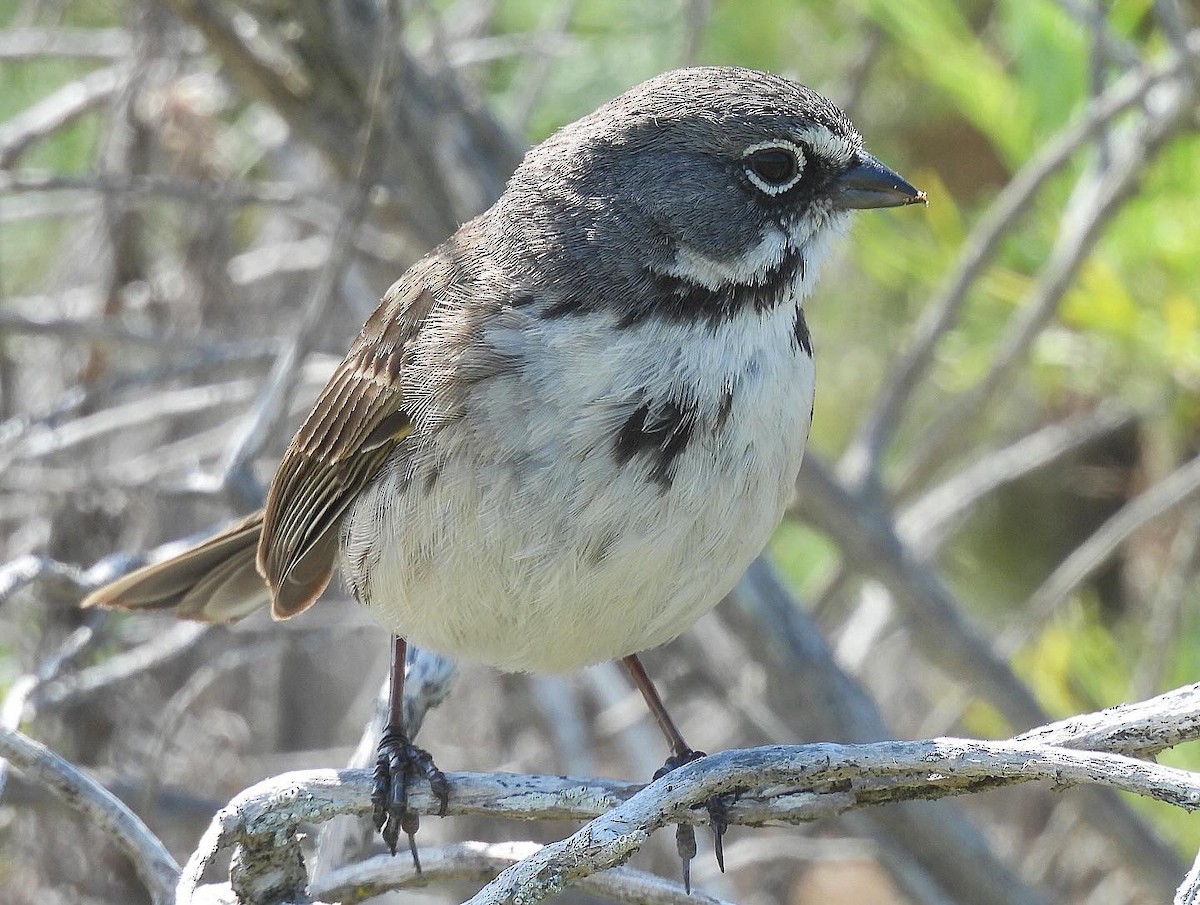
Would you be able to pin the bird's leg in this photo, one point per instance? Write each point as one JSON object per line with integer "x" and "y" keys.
{"x": 399, "y": 758}
{"x": 681, "y": 753}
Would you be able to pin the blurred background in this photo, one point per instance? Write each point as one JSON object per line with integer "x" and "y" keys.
{"x": 996, "y": 526}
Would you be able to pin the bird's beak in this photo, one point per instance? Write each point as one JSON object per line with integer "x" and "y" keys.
{"x": 868, "y": 183}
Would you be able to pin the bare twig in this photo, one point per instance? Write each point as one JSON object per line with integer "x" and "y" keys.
{"x": 181, "y": 701}
{"x": 867, "y": 539}
{"x": 1178, "y": 488}
{"x": 947, "y": 763}
{"x": 194, "y": 191}
{"x": 30, "y": 568}
{"x": 1166, "y": 607}
{"x": 186, "y": 402}
{"x": 927, "y": 522}
{"x": 100, "y": 331}
{"x": 272, "y": 403}
{"x": 150, "y": 858}
{"x": 1171, "y": 20}
{"x": 537, "y": 66}
{"x": 774, "y": 784}
{"x": 864, "y": 455}
{"x": 12, "y": 710}
{"x": 480, "y": 862}
{"x": 1189, "y": 889}
{"x": 221, "y": 358}
{"x": 1114, "y": 45}
{"x": 1144, "y": 729}
{"x": 83, "y": 43}
{"x": 120, "y": 668}
{"x": 57, "y": 110}
{"x": 1096, "y": 199}
{"x": 804, "y": 678}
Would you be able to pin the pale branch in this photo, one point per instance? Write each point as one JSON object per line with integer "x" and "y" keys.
{"x": 950, "y": 763}
{"x": 153, "y": 863}
{"x": 537, "y": 63}
{"x": 57, "y": 110}
{"x": 30, "y": 568}
{"x": 30, "y": 207}
{"x": 32, "y": 43}
{"x": 447, "y": 157}
{"x": 767, "y": 624}
{"x": 1143, "y": 729}
{"x": 76, "y": 398}
{"x": 103, "y": 332}
{"x": 480, "y": 862}
{"x": 271, "y": 406}
{"x": 927, "y": 522}
{"x": 1189, "y": 890}
{"x": 1114, "y": 45}
{"x": 1178, "y": 488}
{"x": 1173, "y": 24}
{"x": 186, "y": 402}
{"x": 865, "y": 535}
{"x": 79, "y": 687}
{"x": 473, "y": 862}
{"x": 775, "y": 784}
{"x": 12, "y": 709}
{"x": 149, "y": 185}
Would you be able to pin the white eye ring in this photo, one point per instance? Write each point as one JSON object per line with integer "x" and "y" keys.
{"x": 778, "y": 169}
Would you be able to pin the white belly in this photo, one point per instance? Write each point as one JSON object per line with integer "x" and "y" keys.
{"x": 552, "y": 555}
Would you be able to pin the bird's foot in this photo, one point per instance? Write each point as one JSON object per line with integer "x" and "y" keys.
{"x": 397, "y": 760}
{"x": 685, "y": 835}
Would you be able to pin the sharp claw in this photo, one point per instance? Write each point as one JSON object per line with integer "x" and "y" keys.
{"x": 716, "y": 816}
{"x": 379, "y": 793}
{"x": 441, "y": 791}
{"x": 412, "y": 849}
{"x": 398, "y": 760}
{"x": 685, "y": 845}
{"x": 391, "y": 835}
{"x": 410, "y": 822}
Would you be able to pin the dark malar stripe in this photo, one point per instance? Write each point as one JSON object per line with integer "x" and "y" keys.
{"x": 661, "y": 437}
{"x": 678, "y": 299}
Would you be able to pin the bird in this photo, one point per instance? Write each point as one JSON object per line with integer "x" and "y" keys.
{"x": 565, "y": 433}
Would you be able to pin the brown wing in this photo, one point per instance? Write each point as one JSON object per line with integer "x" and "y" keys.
{"x": 356, "y": 423}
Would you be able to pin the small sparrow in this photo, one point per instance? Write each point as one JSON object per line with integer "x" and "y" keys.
{"x": 565, "y": 433}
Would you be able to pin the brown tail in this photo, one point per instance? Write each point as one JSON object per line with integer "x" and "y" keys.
{"x": 216, "y": 581}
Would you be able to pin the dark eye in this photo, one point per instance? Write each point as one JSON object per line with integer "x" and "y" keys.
{"x": 774, "y": 167}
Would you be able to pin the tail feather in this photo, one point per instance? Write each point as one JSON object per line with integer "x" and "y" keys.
{"x": 215, "y": 581}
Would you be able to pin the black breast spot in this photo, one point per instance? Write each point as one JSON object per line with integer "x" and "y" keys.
{"x": 800, "y": 334}
{"x": 660, "y": 434}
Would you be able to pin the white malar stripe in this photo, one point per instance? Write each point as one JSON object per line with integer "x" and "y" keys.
{"x": 749, "y": 268}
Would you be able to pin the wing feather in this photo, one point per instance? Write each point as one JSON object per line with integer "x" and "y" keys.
{"x": 357, "y": 422}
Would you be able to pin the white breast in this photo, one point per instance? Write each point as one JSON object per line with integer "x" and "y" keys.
{"x": 533, "y": 548}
